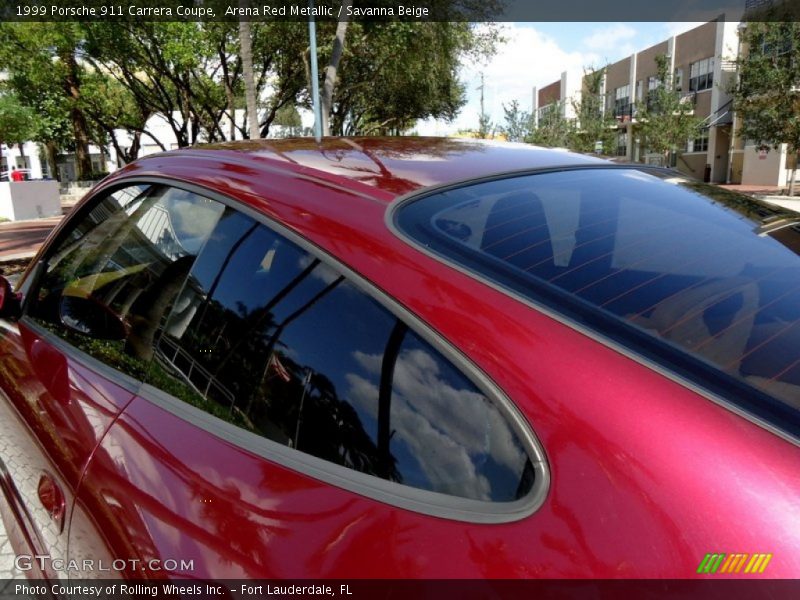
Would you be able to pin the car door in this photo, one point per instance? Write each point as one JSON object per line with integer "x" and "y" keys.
{"x": 291, "y": 423}
{"x": 53, "y": 411}
{"x": 71, "y": 363}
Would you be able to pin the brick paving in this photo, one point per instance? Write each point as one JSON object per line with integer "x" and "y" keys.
{"x": 7, "y": 570}
{"x": 12, "y": 451}
{"x": 8, "y": 573}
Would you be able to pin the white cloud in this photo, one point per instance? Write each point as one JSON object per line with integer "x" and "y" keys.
{"x": 679, "y": 27}
{"x": 608, "y": 38}
{"x": 528, "y": 58}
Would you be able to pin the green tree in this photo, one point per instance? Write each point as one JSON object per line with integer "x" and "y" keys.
{"x": 112, "y": 109}
{"x": 192, "y": 73}
{"x": 53, "y": 129}
{"x": 518, "y": 123}
{"x": 161, "y": 65}
{"x": 392, "y": 74}
{"x": 43, "y": 70}
{"x": 767, "y": 94}
{"x": 666, "y": 120}
{"x": 289, "y": 119}
{"x": 553, "y": 129}
{"x": 594, "y": 123}
{"x": 16, "y": 122}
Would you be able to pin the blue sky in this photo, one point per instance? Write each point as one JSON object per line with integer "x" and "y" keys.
{"x": 535, "y": 54}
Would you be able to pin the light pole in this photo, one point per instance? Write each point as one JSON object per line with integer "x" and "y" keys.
{"x": 312, "y": 34}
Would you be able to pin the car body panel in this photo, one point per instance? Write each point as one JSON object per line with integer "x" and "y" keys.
{"x": 54, "y": 412}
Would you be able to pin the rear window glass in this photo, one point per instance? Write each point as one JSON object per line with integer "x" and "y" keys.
{"x": 703, "y": 279}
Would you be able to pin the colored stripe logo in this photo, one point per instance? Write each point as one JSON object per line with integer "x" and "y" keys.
{"x": 734, "y": 563}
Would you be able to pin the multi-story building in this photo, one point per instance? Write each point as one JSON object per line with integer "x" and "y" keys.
{"x": 702, "y": 62}
{"x": 560, "y": 96}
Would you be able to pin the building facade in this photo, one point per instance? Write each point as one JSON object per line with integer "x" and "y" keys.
{"x": 702, "y": 62}
{"x": 560, "y": 95}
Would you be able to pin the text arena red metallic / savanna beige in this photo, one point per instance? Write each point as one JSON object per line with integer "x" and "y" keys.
{"x": 404, "y": 358}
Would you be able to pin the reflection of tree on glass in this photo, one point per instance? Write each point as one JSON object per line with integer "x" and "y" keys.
{"x": 286, "y": 347}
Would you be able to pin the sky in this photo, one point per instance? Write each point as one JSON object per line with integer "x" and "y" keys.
{"x": 535, "y": 54}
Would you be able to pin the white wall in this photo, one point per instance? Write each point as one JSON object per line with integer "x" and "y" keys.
{"x": 770, "y": 170}
{"x": 29, "y": 200}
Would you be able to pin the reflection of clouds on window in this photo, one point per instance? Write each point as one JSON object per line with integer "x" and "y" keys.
{"x": 449, "y": 429}
{"x": 321, "y": 272}
{"x": 192, "y": 218}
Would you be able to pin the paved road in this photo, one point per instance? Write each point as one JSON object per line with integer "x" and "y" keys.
{"x": 24, "y": 237}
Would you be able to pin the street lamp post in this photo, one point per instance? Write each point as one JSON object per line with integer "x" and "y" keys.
{"x": 312, "y": 34}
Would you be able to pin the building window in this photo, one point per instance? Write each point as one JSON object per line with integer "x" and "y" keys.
{"x": 545, "y": 111}
{"x": 678, "y": 79}
{"x": 701, "y": 75}
{"x": 622, "y": 143}
{"x": 700, "y": 143}
{"x": 622, "y": 101}
{"x": 653, "y": 83}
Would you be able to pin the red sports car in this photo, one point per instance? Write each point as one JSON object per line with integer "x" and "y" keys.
{"x": 404, "y": 358}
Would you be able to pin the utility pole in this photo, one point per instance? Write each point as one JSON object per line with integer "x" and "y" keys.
{"x": 484, "y": 123}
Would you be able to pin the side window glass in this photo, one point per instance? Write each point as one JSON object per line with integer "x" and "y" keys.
{"x": 446, "y": 435}
{"x": 111, "y": 282}
{"x": 271, "y": 339}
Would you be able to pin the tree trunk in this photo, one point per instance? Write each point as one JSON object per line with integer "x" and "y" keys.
{"x": 231, "y": 101}
{"x": 103, "y": 159}
{"x": 333, "y": 65}
{"x": 52, "y": 161}
{"x": 83, "y": 162}
{"x": 246, "y": 48}
{"x": 792, "y": 181}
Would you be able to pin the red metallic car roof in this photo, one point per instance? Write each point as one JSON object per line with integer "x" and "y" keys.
{"x": 391, "y": 166}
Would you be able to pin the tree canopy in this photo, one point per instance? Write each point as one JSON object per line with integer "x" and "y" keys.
{"x": 518, "y": 123}
{"x": 767, "y": 94}
{"x": 100, "y": 81}
{"x": 666, "y": 119}
{"x": 392, "y": 74}
{"x": 594, "y": 123}
{"x": 44, "y": 74}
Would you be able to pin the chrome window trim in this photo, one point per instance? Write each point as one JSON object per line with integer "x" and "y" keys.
{"x": 390, "y": 220}
{"x": 395, "y": 494}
